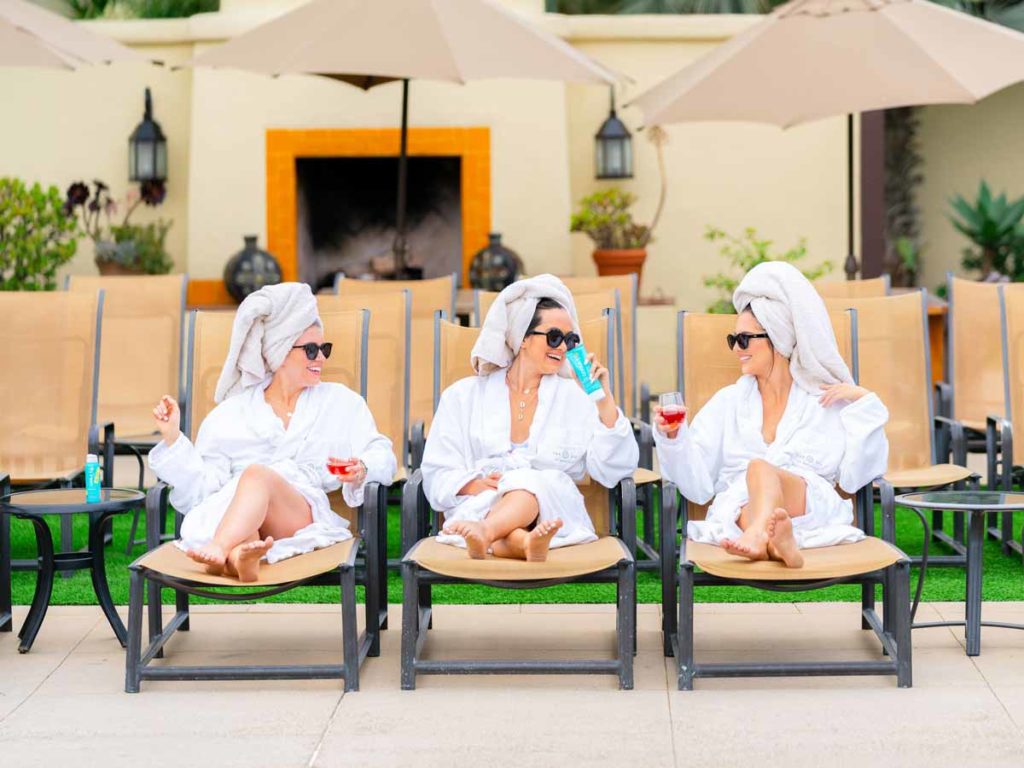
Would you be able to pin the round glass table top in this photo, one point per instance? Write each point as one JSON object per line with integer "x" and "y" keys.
{"x": 963, "y": 500}
{"x": 71, "y": 500}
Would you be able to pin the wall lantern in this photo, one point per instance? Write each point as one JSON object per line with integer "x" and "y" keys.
{"x": 147, "y": 148}
{"x": 613, "y": 147}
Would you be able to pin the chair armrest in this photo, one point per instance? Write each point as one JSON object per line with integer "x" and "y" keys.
{"x": 999, "y": 449}
{"x": 943, "y": 399}
{"x": 645, "y": 440}
{"x": 5, "y": 484}
{"x": 104, "y": 446}
{"x": 156, "y": 507}
{"x": 415, "y": 511}
{"x": 374, "y": 495}
{"x": 954, "y": 440}
{"x": 626, "y": 491}
{"x": 645, "y": 402}
{"x": 417, "y": 444}
{"x": 887, "y": 496}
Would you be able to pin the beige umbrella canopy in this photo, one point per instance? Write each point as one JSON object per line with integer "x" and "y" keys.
{"x": 31, "y": 36}
{"x": 370, "y": 42}
{"x": 811, "y": 59}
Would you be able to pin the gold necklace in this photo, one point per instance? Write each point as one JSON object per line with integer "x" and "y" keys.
{"x": 523, "y": 399}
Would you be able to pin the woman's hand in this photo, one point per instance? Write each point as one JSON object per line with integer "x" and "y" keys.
{"x": 168, "y": 419}
{"x": 356, "y": 473}
{"x": 480, "y": 485}
{"x": 833, "y": 393}
{"x": 668, "y": 430}
{"x": 606, "y": 408}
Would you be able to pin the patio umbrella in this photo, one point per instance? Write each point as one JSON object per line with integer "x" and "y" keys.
{"x": 31, "y": 36}
{"x": 811, "y": 59}
{"x": 370, "y": 42}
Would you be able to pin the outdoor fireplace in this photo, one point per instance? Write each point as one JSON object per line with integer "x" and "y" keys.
{"x": 331, "y": 199}
{"x": 345, "y": 216}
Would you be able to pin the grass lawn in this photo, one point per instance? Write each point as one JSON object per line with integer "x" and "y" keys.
{"x": 1004, "y": 576}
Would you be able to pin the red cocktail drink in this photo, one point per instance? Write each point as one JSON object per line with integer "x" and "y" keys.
{"x": 341, "y": 466}
{"x": 673, "y": 414}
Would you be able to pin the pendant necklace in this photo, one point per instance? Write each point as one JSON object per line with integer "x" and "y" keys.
{"x": 522, "y": 400}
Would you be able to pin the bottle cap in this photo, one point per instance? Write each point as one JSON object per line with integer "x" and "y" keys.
{"x": 92, "y": 458}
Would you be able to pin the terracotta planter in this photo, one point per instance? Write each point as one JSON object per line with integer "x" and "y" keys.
{"x": 620, "y": 261}
{"x": 112, "y": 268}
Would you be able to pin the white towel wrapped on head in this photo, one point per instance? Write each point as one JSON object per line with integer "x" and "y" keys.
{"x": 266, "y": 326}
{"x": 796, "y": 321}
{"x": 508, "y": 319}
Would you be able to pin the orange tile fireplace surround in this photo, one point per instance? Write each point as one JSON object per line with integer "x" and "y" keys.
{"x": 284, "y": 147}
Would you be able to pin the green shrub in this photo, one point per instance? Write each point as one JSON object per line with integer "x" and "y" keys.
{"x": 993, "y": 223}
{"x": 37, "y": 236}
{"x": 141, "y": 9}
{"x": 743, "y": 254}
{"x": 605, "y": 217}
{"x": 140, "y": 246}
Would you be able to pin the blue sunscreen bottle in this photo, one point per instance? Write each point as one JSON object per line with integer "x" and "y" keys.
{"x": 578, "y": 360}
{"x": 92, "y": 479}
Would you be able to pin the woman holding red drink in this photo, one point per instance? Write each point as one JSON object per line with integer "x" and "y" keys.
{"x": 773, "y": 448}
{"x": 254, "y": 485}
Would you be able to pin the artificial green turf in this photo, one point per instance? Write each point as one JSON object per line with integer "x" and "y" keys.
{"x": 1003, "y": 580}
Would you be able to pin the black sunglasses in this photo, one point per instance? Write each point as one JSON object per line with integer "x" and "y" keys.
{"x": 311, "y": 349}
{"x": 743, "y": 339}
{"x": 556, "y": 337}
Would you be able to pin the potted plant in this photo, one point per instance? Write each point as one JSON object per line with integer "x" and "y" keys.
{"x": 125, "y": 248}
{"x": 620, "y": 243}
{"x": 36, "y": 236}
{"x": 993, "y": 225}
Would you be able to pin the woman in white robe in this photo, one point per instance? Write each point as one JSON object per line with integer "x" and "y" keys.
{"x": 254, "y": 485}
{"x": 772, "y": 448}
{"x": 507, "y": 446}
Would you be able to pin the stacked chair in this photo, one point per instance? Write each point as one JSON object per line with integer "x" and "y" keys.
{"x": 143, "y": 316}
{"x": 426, "y": 562}
{"x": 705, "y": 366}
{"x": 359, "y": 560}
{"x": 49, "y": 421}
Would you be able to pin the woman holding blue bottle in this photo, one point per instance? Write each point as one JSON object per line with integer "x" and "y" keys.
{"x": 507, "y": 446}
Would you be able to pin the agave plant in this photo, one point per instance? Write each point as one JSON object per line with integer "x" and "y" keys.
{"x": 993, "y": 224}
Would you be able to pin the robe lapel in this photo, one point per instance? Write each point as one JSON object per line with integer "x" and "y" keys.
{"x": 545, "y": 400}
{"x": 496, "y": 417}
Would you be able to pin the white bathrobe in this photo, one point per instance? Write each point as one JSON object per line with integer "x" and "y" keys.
{"x": 329, "y": 420}
{"x": 470, "y": 438}
{"x": 843, "y": 444}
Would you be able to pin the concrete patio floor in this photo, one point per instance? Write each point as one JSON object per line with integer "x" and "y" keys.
{"x": 64, "y": 700}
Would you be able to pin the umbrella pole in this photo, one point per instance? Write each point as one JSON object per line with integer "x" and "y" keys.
{"x": 400, "y": 249}
{"x": 851, "y": 266}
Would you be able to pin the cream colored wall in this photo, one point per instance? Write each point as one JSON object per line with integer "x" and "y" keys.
{"x": 62, "y": 126}
{"x": 963, "y": 145}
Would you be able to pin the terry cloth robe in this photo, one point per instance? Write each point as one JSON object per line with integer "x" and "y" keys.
{"x": 329, "y": 420}
{"x": 842, "y": 444}
{"x": 470, "y": 438}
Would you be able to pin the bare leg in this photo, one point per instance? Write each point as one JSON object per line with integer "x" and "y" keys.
{"x": 768, "y": 488}
{"x": 781, "y": 542}
{"x": 514, "y": 510}
{"x": 532, "y": 545}
{"x": 264, "y": 505}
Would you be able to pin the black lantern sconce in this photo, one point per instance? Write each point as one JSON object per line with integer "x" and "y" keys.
{"x": 147, "y": 148}
{"x": 613, "y": 147}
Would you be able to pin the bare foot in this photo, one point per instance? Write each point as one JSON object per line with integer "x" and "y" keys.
{"x": 211, "y": 555}
{"x": 473, "y": 533}
{"x": 245, "y": 558}
{"x": 781, "y": 542}
{"x": 538, "y": 541}
{"x": 752, "y": 545}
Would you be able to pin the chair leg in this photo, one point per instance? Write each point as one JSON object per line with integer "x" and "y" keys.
{"x": 410, "y": 624}
{"x": 349, "y": 631}
{"x": 130, "y": 545}
{"x": 667, "y": 547}
{"x": 132, "y": 677}
{"x": 6, "y": 621}
{"x": 625, "y": 623}
{"x": 371, "y": 550}
{"x": 684, "y": 660}
{"x": 181, "y": 604}
{"x": 382, "y": 539}
{"x": 900, "y": 580}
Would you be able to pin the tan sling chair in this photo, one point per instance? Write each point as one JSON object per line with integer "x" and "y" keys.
{"x": 336, "y": 565}
{"x": 1006, "y": 454}
{"x": 590, "y": 305}
{"x": 895, "y": 363}
{"x": 706, "y": 364}
{"x": 426, "y": 562}
{"x": 428, "y": 298}
{"x": 48, "y": 385}
{"x": 854, "y": 289}
{"x": 145, "y": 316}
{"x": 972, "y": 393}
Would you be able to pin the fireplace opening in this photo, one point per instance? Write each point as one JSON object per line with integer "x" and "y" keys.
{"x": 346, "y": 216}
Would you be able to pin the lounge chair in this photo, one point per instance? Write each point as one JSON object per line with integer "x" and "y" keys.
{"x": 426, "y": 562}
{"x": 706, "y": 365}
{"x": 358, "y": 560}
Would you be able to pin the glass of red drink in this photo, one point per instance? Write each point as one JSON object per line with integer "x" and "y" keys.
{"x": 341, "y": 466}
{"x": 672, "y": 409}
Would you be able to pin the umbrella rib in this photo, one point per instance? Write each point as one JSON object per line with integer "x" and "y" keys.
{"x": 909, "y": 33}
